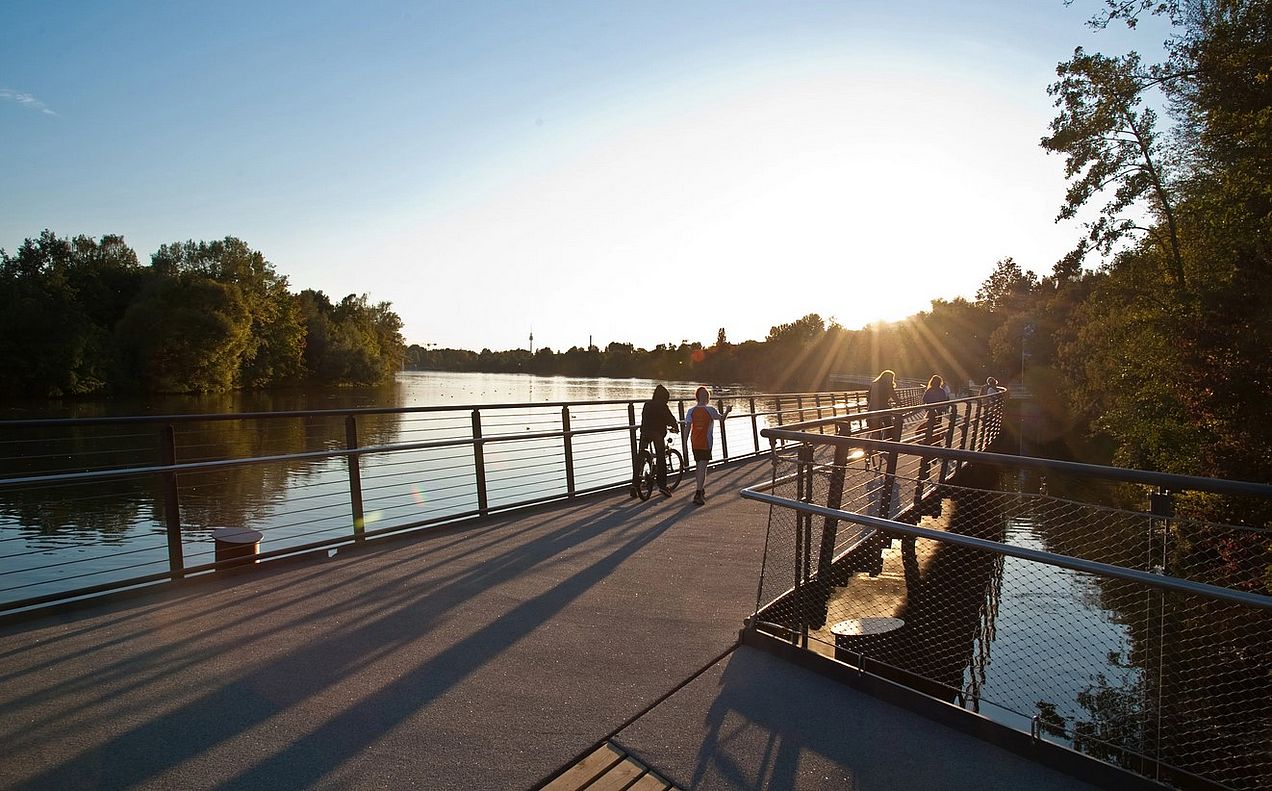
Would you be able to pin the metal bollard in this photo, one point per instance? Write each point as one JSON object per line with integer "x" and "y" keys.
{"x": 238, "y": 544}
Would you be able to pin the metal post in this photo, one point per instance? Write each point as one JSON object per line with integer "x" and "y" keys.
{"x": 926, "y": 462}
{"x": 890, "y": 476}
{"x": 817, "y": 400}
{"x": 830, "y": 529}
{"x": 355, "y": 479}
{"x": 724, "y": 435}
{"x": 949, "y": 442}
{"x": 684, "y": 435}
{"x": 755, "y": 426}
{"x": 777, "y": 407}
{"x": 799, "y": 404}
{"x": 568, "y": 439}
{"x": 800, "y": 484}
{"x": 803, "y": 540}
{"x": 479, "y": 464}
{"x": 976, "y": 425}
{"x": 171, "y": 502}
{"x": 631, "y": 435}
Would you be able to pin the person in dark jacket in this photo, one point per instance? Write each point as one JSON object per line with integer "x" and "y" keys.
{"x": 655, "y": 419}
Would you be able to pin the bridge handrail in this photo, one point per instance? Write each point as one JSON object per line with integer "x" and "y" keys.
{"x": 472, "y": 482}
{"x": 294, "y": 413}
{"x": 1164, "y": 480}
{"x": 1160, "y": 581}
{"x": 333, "y": 453}
{"x": 903, "y": 411}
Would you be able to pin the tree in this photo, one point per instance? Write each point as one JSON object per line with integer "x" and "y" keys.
{"x": 274, "y": 353}
{"x": 1110, "y": 142}
{"x": 60, "y": 300}
{"x": 186, "y": 334}
{"x": 1006, "y": 287}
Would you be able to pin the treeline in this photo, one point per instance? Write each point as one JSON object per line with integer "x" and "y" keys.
{"x": 82, "y": 316}
{"x": 953, "y": 339}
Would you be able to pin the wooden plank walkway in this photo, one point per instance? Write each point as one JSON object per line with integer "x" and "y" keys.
{"x": 608, "y": 768}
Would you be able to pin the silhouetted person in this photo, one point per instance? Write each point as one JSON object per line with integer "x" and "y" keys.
{"x": 991, "y": 386}
{"x": 655, "y": 419}
{"x": 883, "y": 395}
{"x": 934, "y": 394}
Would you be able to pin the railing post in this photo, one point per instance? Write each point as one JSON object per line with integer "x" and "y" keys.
{"x": 830, "y": 530}
{"x": 925, "y": 464}
{"x": 949, "y": 442}
{"x": 799, "y": 404}
{"x": 684, "y": 435}
{"x": 568, "y": 439}
{"x": 777, "y": 407}
{"x": 171, "y": 502}
{"x": 631, "y": 438}
{"x": 479, "y": 465}
{"x": 976, "y": 424}
{"x": 890, "y": 473}
{"x": 803, "y": 541}
{"x": 755, "y": 426}
{"x": 817, "y": 401}
{"x": 355, "y": 479}
{"x": 724, "y": 435}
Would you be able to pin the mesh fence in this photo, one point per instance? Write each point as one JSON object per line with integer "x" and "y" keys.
{"x": 1167, "y": 684}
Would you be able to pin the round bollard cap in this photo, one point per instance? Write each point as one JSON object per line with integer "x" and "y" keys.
{"x": 237, "y": 535}
{"x": 854, "y": 627}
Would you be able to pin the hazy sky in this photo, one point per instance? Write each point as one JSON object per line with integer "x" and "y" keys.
{"x": 635, "y": 171}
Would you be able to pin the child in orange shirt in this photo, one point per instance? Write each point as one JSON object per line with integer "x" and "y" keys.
{"x": 700, "y": 422}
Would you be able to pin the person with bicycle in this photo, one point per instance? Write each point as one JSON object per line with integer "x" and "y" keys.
{"x": 655, "y": 419}
{"x": 700, "y": 422}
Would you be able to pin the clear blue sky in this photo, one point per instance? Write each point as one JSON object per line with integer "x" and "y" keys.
{"x": 490, "y": 168}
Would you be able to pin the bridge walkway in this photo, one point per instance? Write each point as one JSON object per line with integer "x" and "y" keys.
{"x": 480, "y": 656}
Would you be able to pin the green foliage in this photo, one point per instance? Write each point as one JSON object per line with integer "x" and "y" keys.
{"x": 353, "y": 342}
{"x": 59, "y": 301}
{"x": 274, "y": 352}
{"x": 81, "y": 316}
{"x": 186, "y": 334}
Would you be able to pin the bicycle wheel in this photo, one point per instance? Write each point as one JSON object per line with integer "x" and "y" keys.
{"x": 675, "y": 468}
{"x": 647, "y": 478}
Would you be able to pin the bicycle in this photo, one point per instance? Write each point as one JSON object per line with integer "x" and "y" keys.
{"x": 647, "y": 469}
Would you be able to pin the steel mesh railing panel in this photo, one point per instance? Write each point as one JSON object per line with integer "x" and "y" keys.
{"x": 1169, "y": 684}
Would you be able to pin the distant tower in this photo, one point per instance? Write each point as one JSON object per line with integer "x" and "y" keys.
{"x": 589, "y": 342}
{"x": 532, "y": 341}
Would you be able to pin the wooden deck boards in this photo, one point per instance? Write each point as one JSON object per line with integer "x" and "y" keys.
{"x": 608, "y": 768}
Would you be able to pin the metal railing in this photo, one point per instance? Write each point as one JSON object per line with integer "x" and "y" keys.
{"x": 1113, "y": 629}
{"x": 96, "y": 504}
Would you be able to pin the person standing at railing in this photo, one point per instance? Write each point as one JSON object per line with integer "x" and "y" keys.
{"x": 883, "y": 395}
{"x": 655, "y": 419}
{"x": 991, "y": 386}
{"x": 700, "y": 422}
{"x": 934, "y": 394}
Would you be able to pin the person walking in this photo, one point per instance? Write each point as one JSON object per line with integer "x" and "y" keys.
{"x": 700, "y": 422}
{"x": 883, "y": 395}
{"x": 934, "y": 394}
{"x": 655, "y": 419}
